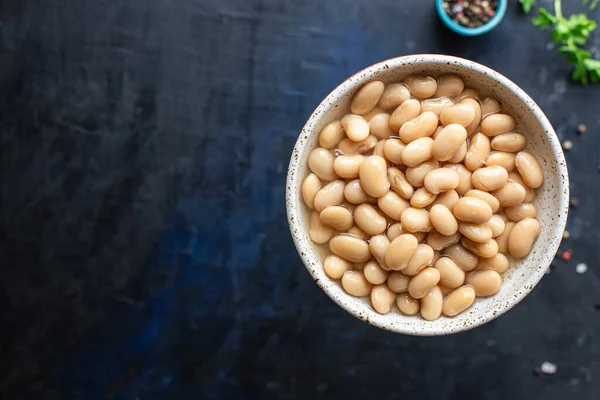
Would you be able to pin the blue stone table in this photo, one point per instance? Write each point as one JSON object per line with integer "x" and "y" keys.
{"x": 144, "y": 244}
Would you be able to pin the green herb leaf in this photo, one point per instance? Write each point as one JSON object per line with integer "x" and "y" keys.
{"x": 545, "y": 19}
{"x": 527, "y": 4}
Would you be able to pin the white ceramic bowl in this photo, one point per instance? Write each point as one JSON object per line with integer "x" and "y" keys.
{"x": 551, "y": 199}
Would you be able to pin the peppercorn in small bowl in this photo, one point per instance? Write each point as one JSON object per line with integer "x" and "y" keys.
{"x": 471, "y": 17}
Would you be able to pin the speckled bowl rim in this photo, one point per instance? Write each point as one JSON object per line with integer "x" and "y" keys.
{"x": 294, "y": 206}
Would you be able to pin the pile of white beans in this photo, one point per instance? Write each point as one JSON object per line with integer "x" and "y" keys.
{"x": 424, "y": 195}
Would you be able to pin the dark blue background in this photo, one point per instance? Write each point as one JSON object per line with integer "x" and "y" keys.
{"x": 145, "y": 251}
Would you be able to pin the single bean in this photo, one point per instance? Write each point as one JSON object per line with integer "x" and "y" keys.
{"x": 347, "y": 166}
{"x": 460, "y": 154}
{"x": 461, "y": 256}
{"x": 320, "y": 162}
{"x": 358, "y": 233}
{"x": 530, "y": 170}
{"x": 447, "y": 199}
{"x": 354, "y": 193}
{"x": 451, "y": 275}
{"x": 392, "y": 150}
{"x": 461, "y": 113}
{"x": 432, "y": 303}
{"x": 498, "y": 263}
{"x": 464, "y": 177}
{"x": 443, "y": 220}
{"x": 392, "y": 205}
{"x": 400, "y": 251}
{"x": 502, "y": 239}
{"x": 374, "y": 273}
{"x": 416, "y": 175}
{"x": 436, "y": 105}
{"x": 489, "y": 106}
{"x": 399, "y": 184}
{"x": 396, "y": 230}
{"x": 422, "y": 126}
{"x": 422, "y": 198}
{"x": 522, "y": 211}
{"x": 350, "y": 248}
{"x": 319, "y": 232}
{"x": 369, "y": 219}
{"x": 479, "y": 233}
{"x": 355, "y": 284}
{"x": 329, "y": 195}
{"x": 394, "y": 95}
{"x": 489, "y": 178}
{"x": 405, "y": 112}
{"x": 485, "y": 282}
{"x": 477, "y": 152}
{"x": 441, "y": 180}
{"x": 373, "y": 176}
{"x": 356, "y": 127}
{"x": 378, "y": 246}
{"x": 484, "y": 196}
{"x": 445, "y": 290}
{"x": 422, "y": 282}
{"x": 496, "y": 224}
{"x": 407, "y": 305}
{"x": 359, "y": 266}
{"x": 449, "y": 141}
{"x": 417, "y": 152}
{"x": 497, "y": 124}
{"x": 337, "y": 217}
{"x": 421, "y": 87}
{"x": 458, "y": 301}
{"x": 511, "y": 194}
{"x": 474, "y": 125}
{"x": 416, "y": 220}
{"x": 501, "y": 159}
{"x": 367, "y": 97}
{"x": 335, "y": 266}
{"x": 348, "y": 146}
{"x": 368, "y": 116}
{"x": 331, "y": 135}
{"x": 398, "y": 282}
{"x": 379, "y": 126}
{"x": 471, "y": 209}
{"x": 467, "y": 93}
{"x": 420, "y": 259}
{"x": 510, "y": 142}
{"x": 310, "y": 187}
{"x": 449, "y": 85}
{"x": 529, "y": 192}
{"x": 485, "y": 250}
{"x": 522, "y": 237}
{"x": 382, "y": 299}
{"x": 378, "y": 149}
{"x": 437, "y": 241}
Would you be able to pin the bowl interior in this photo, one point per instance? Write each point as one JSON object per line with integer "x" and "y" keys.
{"x": 551, "y": 199}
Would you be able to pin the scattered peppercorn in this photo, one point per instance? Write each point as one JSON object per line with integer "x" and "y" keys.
{"x": 574, "y": 203}
{"x": 566, "y": 234}
{"x": 567, "y": 145}
{"x": 566, "y": 255}
{"x": 581, "y": 129}
{"x": 470, "y": 13}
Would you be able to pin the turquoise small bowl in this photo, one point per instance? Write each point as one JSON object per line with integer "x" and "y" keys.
{"x": 463, "y": 30}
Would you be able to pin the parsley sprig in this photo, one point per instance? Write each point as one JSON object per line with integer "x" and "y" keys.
{"x": 571, "y": 34}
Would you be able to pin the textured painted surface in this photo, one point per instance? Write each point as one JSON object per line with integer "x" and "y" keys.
{"x": 145, "y": 251}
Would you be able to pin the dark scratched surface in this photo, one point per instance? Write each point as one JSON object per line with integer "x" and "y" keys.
{"x": 144, "y": 246}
